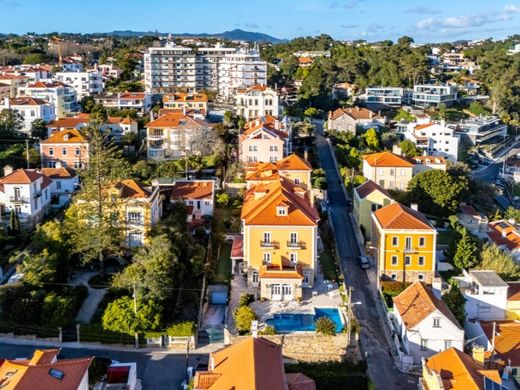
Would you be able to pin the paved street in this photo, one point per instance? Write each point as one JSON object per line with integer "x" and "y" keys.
{"x": 380, "y": 363}
{"x": 157, "y": 370}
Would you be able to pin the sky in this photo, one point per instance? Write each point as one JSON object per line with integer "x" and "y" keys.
{"x": 373, "y": 20}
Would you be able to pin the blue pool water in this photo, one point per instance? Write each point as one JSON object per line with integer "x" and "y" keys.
{"x": 286, "y": 322}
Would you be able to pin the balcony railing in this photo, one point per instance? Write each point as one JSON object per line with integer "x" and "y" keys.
{"x": 38, "y": 193}
{"x": 269, "y": 244}
{"x": 296, "y": 244}
{"x": 410, "y": 250}
{"x": 19, "y": 199}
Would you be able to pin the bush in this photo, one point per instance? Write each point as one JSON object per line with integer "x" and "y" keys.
{"x": 392, "y": 289}
{"x": 326, "y": 326}
{"x": 246, "y": 299}
{"x": 181, "y": 329}
{"x": 223, "y": 199}
{"x": 331, "y": 375}
{"x": 244, "y": 315}
{"x": 268, "y": 330}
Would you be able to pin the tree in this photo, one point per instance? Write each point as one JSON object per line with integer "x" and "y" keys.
{"x": 466, "y": 252}
{"x": 39, "y": 269}
{"x": 310, "y": 112}
{"x": 371, "y": 139}
{"x": 512, "y": 213}
{"x": 223, "y": 199}
{"x": 326, "y": 326}
{"x": 87, "y": 104}
{"x": 478, "y": 109}
{"x": 39, "y": 129}
{"x": 455, "y": 302}
{"x": 495, "y": 259}
{"x": 152, "y": 270}
{"x": 56, "y": 310}
{"x": 438, "y": 192}
{"x": 244, "y": 315}
{"x": 119, "y": 316}
{"x": 35, "y": 58}
{"x": 11, "y": 121}
{"x": 203, "y": 142}
{"x": 403, "y": 115}
{"x": 409, "y": 149}
{"x": 442, "y": 111}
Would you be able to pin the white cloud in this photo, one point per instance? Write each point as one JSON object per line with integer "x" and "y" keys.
{"x": 512, "y": 8}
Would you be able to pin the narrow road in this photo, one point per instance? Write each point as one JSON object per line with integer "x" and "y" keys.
{"x": 381, "y": 366}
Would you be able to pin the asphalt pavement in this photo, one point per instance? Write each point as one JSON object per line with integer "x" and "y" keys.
{"x": 381, "y": 367}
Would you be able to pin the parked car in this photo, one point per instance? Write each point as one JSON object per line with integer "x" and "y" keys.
{"x": 363, "y": 262}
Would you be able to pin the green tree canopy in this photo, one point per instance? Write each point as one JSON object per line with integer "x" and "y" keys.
{"x": 372, "y": 139}
{"x": 244, "y": 315}
{"x": 455, "y": 302}
{"x": 409, "y": 149}
{"x": 39, "y": 129}
{"x": 119, "y": 316}
{"x": 495, "y": 259}
{"x": 11, "y": 122}
{"x": 466, "y": 253}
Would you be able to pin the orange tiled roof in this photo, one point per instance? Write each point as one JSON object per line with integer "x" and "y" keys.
{"x": 293, "y": 162}
{"x": 131, "y": 189}
{"x": 280, "y": 273}
{"x": 398, "y": 216}
{"x": 27, "y": 101}
{"x": 61, "y": 173}
{"x": 424, "y": 126}
{"x": 387, "y": 159}
{"x": 267, "y": 124}
{"x": 417, "y": 302}
{"x": 507, "y": 339}
{"x": 356, "y": 113}
{"x": 513, "y": 292}
{"x": 267, "y": 121}
{"x": 44, "y": 356}
{"x": 370, "y": 186}
{"x": 237, "y": 250}
{"x": 185, "y": 97}
{"x": 176, "y": 119}
{"x": 261, "y": 201}
{"x": 305, "y": 60}
{"x": 459, "y": 371}
{"x": 21, "y": 176}
{"x": 74, "y": 137}
{"x": 264, "y": 171}
{"x": 47, "y": 84}
{"x": 194, "y": 189}
{"x": 504, "y": 233}
{"x": 133, "y": 95}
{"x": 69, "y": 123}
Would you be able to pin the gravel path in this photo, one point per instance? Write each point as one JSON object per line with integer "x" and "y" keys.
{"x": 95, "y": 295}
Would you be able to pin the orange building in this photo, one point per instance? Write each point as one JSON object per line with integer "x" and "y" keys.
{"x": 69, "y": 147}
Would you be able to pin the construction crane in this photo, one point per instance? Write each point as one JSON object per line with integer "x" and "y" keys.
{"x": 57, "y": 40}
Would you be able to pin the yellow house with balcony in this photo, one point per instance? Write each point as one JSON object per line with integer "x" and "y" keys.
{"x": 404, "y": 242}
{"x": 280, "y": 234}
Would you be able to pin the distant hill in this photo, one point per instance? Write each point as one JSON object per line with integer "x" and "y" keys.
{"x": 237, "y": 34}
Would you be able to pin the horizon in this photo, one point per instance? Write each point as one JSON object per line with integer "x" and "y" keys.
{"x": 341, "y": 19}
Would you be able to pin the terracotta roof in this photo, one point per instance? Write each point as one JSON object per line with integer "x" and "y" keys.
{"x": 59, "y": 173}
{"x": 387, "y": 159}
{"x": 177, "y": 119}
{"x": 469, "y": 210}
{"x": 507, "y": 339}
{"x": 68, "y": 123}
{"x": 47, "y": 84}
{"x": 192, "y": 189}
{"x": 263, "y": 171}
{"x": 459, "y": 371}
{"x": 204, "y": 380}
{"x": 279, "y": 273}
{"x": 68, "y": 136}
{"x": 356, "y": 113}
{"x": 305, "y": 60}
{"x": 8, "y": 76}
{"x": 261, "y": 201}
{"x": 299, "y": 381}
{"x": 133, "y": 95}
{"x": 21, "y": 176}
{"x": 417, "y": 302}
{"x": 185, "y": 97}
{"x": 398, "y": 216}
{"x": 27, "y": 101}
{"x": 237, "y": 250}
{"x": 131, "y": 189}
{"x": 293, "y": 162}
{"x": 252, "y": 364}
{"x": 370, "y": 186}
{"x": 424, "y": 126}
{"x": 37, "y": 373}
{"x": 513, "y": 292}
{"x": 503, "y": 233}
{"x": 267, "y": 124}
{"x": 127, "y": 121}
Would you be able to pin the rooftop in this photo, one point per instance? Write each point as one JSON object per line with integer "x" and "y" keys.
{"x": 487, "y": 278}
{"x": 398, "y": 216}
{"x": 369, "y": 187}
{"x": 193, "y": 189}
{"x": 356, "y": 113}
{"x": 504, "y": 233}
{"x": 507, "y": 339}
{"x": 387, "y": 159}
{"x": 69, "y": 136}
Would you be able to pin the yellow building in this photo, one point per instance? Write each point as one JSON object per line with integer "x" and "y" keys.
{"x": 368, "y": 197}
{"x": 513, "y": 301}
{"x": 404, "y": 242}
{"x": 292, "y": 168}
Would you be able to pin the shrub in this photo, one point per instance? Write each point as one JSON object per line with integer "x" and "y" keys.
{"x": 57, "y": 310}
{"x": 326, "y": 326}
{"x": 246, "y": 299}
{"x": 223, "y": 199}
{"x": 268, "y": 330}
{"x": 244, "y": 315}
{"x": 181, "y": 329}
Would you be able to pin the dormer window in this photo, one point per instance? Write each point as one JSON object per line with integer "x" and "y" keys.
{"x": 282, "y": 211}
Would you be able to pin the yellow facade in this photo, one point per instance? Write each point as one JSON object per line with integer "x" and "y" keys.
{"x": 363, "y": 208}
{"x": 513, "y": 310}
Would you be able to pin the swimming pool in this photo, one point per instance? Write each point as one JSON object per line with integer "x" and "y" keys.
{"x": 288, "y": 322}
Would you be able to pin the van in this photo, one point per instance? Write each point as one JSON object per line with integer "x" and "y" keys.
{"x": 363, "y": 262}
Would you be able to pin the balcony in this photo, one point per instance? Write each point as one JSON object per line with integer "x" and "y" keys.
{"x": 19, "y": 199}
{"x": 410, "y": 250}
{"x": 155, "y": 136}
{"x": 296, "y": 244}
{"x": 269, "y": 244}
{"x": 38, "y": 193}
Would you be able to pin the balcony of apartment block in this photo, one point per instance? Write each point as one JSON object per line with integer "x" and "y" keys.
{"x": 296, "y": 244}
{"x": 155, "y": 135}
{"x": 156, "y": 145}
{"x": 19, "y": 199}
{"x": 269, "y": 244}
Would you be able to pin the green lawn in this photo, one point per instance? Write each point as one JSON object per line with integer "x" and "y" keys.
{"x": 223, "y": 266}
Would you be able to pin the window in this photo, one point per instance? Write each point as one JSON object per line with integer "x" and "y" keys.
{"x": 424, "y": 345}
{"x": 408, "y": 243}
{"x": 407, "y": 260}
{"x": 134, "y": 217}
{"x": 63, "y": 151}
{"x": 51, "y": 151}
{"x": 254, "y": 277}
{"x": 18, "y": 210}
{"x": 393, "y": 276}
{"x": 273, "y": 159}
{"x": 135, "y": 239}
{"x": 436, "y": 322}
{"x": 391, "y": 172}
{"x": 420, "y": 261}
{"x": 77, "y": 152}
{"x": 447, "y": 344}
{"x": 273, "y": 148}
{"x": 422, "y": 242}
{"x": 394, "y": 260}
{"x": 267, "y": 237}
{"x": 51, "y": 164}
{"x": 395, "y": 240}
{"x": 296, "y": 181}
{"x": 58, "y": 184}
{"x": 293, "y": 256}
{"x": 293, "y": 237}
{"x": 207, "y": 202}
{"x": 78, "y": 165}
{"x": 420, "y": 277}
{"x": 281, "y": 211}
{"x": 267, "y": 257}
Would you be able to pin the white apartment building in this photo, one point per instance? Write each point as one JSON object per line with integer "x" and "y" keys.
{"x": 139, "y": 101}
{"x": 387, "y": 96}
{"x": 218, "y": 68}
{"x": 85, "y": 83}
{"x": 479, "y": 130}
{"x": 434, "y": 139}
{"x": 256, "y": 101}
{"x": 62, "y": 96}
{"x": 427, "y": 95}
{"x": 65, "y": 181}
{"x": 31, "y": 109}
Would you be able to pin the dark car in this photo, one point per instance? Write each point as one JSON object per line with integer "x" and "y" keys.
{"x": 363, "y": 262}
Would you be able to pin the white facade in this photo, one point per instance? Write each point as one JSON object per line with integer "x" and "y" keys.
{"x": 390, "y": 96}
{"x": 139, "y": 101}
{"x": 481, "y": 129}
{"x": 85, "y": 83}
{"x": 426, "y": 95}
{"x": 256, "y": 101}
{"x": 31, "y": 109}
{"x": 435, "y": 139}
{"x": 64, "y": 183}
{"x": 63, "y": 97}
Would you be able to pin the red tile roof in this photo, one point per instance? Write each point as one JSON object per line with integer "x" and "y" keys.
{"x": 503, "y": 233}
{"x": 387, "y": 159}
{"x": 27, "y": 101}
{"x": 68, "y": 136}
{"x": 420, "y": 127}
{"x": 368, "y": 187}
{"x": 398, "y": 216}
{"x": 293, "y": 162}
{"x": 299, "y": 381}
{"x": 131, "y": 189}
{"x": 21, "y": 176}
{"x": 185, "y": 97}
{"x": 237, "y": 250}
{"x": 59, "y": 173}
{"x": 193, "y": 189}
{"x": 356, "y": 113}
{"x": 507, "y": 339}
{"x": 177, "y": 119}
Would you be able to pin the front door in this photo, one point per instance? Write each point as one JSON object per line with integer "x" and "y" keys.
{"x": 305, "y": 282}
{"x": 198, "y": 205}
{"x": 287, "y": 292}
{"x": 276, "y": 292}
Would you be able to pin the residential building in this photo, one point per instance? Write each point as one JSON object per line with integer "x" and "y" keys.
{"x": 169, "y": 136}
{"x": 243, "y": 366}
{"x": 513, "y": 301}
{"x": 13, "y": 82}
{"x": 139, "y": 101}
{"x": 344, "y": 90}
{"x": 427, "y": 163}
{"x": 485, "y": 293}
{"x": 197, "y": 195}
{"x": 31, "y": 109}
{"x": 505, "y": 235}
{"x": 368, "y": 197}
{"x": 65, "y": 181}
{"x": 222, "y": 69}
{"x": 280, "y": 233}
{"x": 471, "y": 219}
{"x": 388, "y": 170}
{"x": 387, "y": 96}
{"x": 312, "y": 53}
{"x": 405, "y": 243}
{"x": 427, "y": 95}
{"x": 264, "y": 139}
{"x": 45, "y": 371}
{"x": 435, "y": 139}
{"x": 256, "y": 101}
{"x": 515, "y": 49}
{"x": 109, "y": 71}
{"x": 70, "y": 64}
{"x": 425, "y": 324}
{"x": 193, "y": 102}
{"x": 120, "y": 376}
{"x": 354, "y": 119}
{"x": 454, "y": 370}
{"x": 27, "y": 193}
{"x": 305, "y": 62}
{"x": 481, "y": 130}
{"x": 62, "y": 96}
{"x": 68, "y": 147}
{"x": 85, "y": 83}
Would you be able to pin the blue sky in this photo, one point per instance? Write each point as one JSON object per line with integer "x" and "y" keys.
{"x": 425, "y": 21}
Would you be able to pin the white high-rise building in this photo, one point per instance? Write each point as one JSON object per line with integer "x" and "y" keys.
{"x": 84, "y": 83}
{"x": 223, "y": 69}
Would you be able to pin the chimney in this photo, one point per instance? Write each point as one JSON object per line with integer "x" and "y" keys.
{"x": 277, "y": 124}
{"x": 66, "y": 137}
{"x": 443, "y": 123}
{"x": 8, "y": 169}
{"x": 414, "y": 206}
{"x": 306, "y": 155}
{"x": 254, "y": 328}
{"x": 58, "y": 164}
{"x": 478, "y": 353}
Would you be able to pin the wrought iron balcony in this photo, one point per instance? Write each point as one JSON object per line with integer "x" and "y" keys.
{"x": 296, "y": 244}
{"x": 269, "y": 244}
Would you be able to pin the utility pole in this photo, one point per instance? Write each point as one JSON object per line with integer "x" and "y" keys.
{"x": 349, "y": 315}
{"x": 187, "y": 358}
{"x": 135, "y": 314}
{"x": 27, "y": 152}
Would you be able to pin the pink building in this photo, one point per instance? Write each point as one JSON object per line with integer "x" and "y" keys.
{"x": 69, "y": 147}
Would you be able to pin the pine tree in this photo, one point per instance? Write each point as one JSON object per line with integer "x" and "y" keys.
{"x": 455, "y": 302}
{"x": 14, "y": 222}
{"x": 465, "y": 255}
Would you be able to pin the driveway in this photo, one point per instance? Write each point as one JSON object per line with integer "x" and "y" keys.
{"x": 381, "y": 366}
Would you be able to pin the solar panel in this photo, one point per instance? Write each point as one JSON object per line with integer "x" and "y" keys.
{"x": 56, "y": 374}
{"x": 492, "y": 385}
